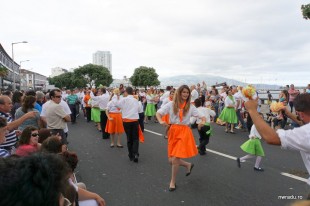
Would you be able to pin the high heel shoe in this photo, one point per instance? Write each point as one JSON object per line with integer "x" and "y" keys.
{"x": 190, "y": 170}
{"x": 171, "y": 189}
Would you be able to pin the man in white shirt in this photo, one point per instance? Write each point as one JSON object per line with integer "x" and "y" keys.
{"x": 55, "y": 116}
{"x": 295, "y": 139}
{"x": 166, "y": 94}
{"x": 130, "y": 115}
{"x": 194, "y": 94}
{"x": 103, "y": 100}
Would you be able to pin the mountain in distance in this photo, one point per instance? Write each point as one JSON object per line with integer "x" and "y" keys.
{"x": 209, "y": 80}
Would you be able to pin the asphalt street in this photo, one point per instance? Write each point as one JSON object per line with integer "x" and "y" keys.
{"x": 215, "y": 179}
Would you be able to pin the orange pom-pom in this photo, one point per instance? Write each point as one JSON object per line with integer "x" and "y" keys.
{"x": 248, "y": 91}
{"x": 276, "y": 106}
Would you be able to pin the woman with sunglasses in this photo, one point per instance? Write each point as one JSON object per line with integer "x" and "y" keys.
{"x": 28, "y": 142}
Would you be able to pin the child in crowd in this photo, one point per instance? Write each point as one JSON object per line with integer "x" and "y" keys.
{"x": 205, "y": 131}
{"x": 254, "y": 148}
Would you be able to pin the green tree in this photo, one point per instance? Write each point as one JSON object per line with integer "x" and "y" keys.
{"x": 69, "y": 80}
{"x": 94, "y": 75}
{"x": 306, "y": 11}
{"x": 145, "y": 76}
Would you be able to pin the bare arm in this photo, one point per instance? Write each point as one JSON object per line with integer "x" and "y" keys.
{"x": 67, "y": 118}
{"x": 11, "y": 126}
{"x": 87, "y": 195}
{"x": 107, "y": 113}
{"x": 267, "y": 133}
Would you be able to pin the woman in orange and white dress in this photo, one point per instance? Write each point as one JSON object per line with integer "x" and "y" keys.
{"x": 181, "y": 142}
{"x": 115, "y": 123}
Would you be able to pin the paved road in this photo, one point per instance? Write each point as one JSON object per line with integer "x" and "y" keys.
{"x": 215, "y": 180}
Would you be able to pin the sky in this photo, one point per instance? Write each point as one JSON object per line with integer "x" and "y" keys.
{"x": 251, "y": 41}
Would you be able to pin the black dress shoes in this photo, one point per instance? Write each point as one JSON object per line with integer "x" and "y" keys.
{"x": 258, "y": 169}
{"x": 130, "y": 157}
{"x": 136, "y": 158}
{"x": 171, "y": 189}
{"x": 190, "y": 170}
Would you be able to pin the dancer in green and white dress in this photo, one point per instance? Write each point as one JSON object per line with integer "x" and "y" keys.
{"x": 229, "y": 114}
{"x": 150, "y": 109}
{"x": 254, "y": 148}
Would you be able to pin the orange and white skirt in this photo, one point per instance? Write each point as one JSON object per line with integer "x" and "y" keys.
{"x": 181, "y": 142}
{"x": 115, "y": 125}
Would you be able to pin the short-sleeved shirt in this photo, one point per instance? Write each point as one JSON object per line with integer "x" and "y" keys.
{"x": 38, "y": 107}
{"x": 297, "y": 139}
{"x": 64, "y": 106}
{"x": 194, "y": 95}
{"x": 10, "y": 137}
{"x": 175, "y": 119}
{"x": 238, "y": 98}
{"x": 28, "y": 122}
{"x": 72, "y": 99}
{"x": 54, "y": 116}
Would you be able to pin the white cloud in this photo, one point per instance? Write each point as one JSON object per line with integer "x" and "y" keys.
{"x": 247, "y": 40}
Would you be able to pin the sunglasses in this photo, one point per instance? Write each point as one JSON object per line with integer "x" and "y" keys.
{"x": 34, "y": 134}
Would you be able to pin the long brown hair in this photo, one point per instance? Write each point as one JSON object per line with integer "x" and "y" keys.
{"x": 28, "y": 103}
{"x": 177, "y": 100}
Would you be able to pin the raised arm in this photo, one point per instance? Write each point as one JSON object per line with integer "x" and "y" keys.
{"x": 267, "y": 133}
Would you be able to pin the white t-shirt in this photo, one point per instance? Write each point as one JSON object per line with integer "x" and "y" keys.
{"x": 194, "y": 95}
{"x": 238, "y": 98}
{"x": 64, "y": 105}
{"x": 254, "y": 132}
{"x": 206, "y": 112}
{"x": 297, "y": 139}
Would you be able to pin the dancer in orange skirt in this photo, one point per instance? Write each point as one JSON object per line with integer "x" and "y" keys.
{"x": 181, "y": 142}
{"x": 115, "y": 121}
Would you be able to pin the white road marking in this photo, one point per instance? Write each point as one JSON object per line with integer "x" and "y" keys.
{"x": 294, "y": 177}
{"x": 234, "y": 158}
{"x": 153, "y": 132}
{"x": 222, "y": 154}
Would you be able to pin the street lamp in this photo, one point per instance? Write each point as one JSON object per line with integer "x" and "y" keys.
{"x": 13, "y": 68}
{"x": 20, "y": 63}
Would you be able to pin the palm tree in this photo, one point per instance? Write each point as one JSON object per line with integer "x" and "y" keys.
{"x": 3, "y": 71}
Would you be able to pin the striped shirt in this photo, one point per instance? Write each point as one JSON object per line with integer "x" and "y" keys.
{"x": 4, "y": 153}
{"x": 11, "y": 137}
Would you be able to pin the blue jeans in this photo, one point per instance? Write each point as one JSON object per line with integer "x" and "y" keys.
{"x": 241, "y": 119}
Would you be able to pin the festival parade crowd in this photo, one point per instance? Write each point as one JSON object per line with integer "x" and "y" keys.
{"x": 34, "y": 133}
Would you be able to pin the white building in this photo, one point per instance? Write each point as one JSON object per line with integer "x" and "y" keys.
{"x": 57, "y": 71}
{"x": 103, "y": 58}
{"x": 32, "y": 80}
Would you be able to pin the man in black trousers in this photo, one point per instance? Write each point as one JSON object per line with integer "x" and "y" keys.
{"x": 130, "y": 115}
